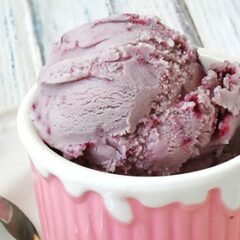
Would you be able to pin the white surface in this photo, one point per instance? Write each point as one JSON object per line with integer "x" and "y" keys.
{"x": 15, "y": 178}
{"x": 218, "y": 24}
{"x": 190, "y": 188}
{"x": 20, "y": 58}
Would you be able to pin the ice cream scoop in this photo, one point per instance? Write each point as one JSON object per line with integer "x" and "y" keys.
{"x": 128, "y": 95}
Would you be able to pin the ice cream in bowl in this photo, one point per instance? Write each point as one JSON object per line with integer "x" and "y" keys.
{"x": 133, "y": 134}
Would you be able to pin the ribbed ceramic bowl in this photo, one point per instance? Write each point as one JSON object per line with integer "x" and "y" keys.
{"x": 77, "y": 203}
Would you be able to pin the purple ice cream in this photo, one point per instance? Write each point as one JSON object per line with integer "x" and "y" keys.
{"x": 128, "y": 95}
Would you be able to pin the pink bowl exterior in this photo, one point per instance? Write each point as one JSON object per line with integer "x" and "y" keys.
{"x": 64, "y": 217}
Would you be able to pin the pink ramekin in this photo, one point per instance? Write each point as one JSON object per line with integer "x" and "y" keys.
{"x": 77, "y": 203}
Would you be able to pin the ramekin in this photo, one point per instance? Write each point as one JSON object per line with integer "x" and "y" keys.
{"x": 77, "y": 203}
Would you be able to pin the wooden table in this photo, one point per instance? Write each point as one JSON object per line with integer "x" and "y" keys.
{"x": 29, "y": 27}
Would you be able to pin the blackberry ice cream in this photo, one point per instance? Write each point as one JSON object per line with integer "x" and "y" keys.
{"x": 128, "y": 95}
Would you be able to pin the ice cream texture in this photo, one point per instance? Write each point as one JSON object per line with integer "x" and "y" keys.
{"x": 128, "y": 95}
